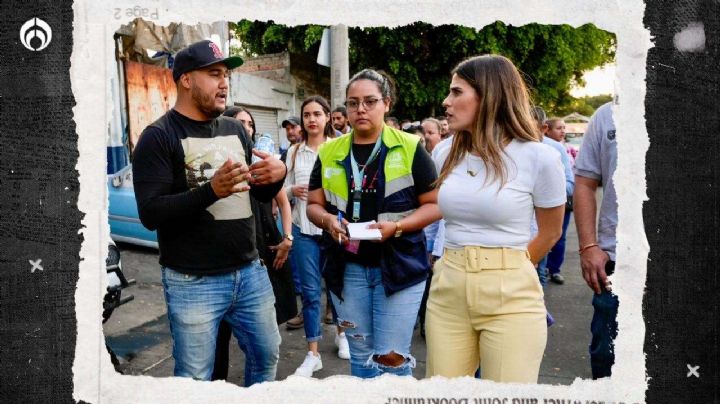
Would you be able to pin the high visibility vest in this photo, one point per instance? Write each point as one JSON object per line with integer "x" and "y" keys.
{"x": 397, "y": 169}
{"x": 404, "y": 260}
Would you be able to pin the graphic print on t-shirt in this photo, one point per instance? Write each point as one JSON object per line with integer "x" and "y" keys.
{"x": 203, "y": 156}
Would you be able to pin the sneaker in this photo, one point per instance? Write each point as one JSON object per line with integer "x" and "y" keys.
{"x": 557, "y": 278}
{"x": 295, "y": 322}
{"x": 341, "y": 343}
{"x": 310, "y": 365}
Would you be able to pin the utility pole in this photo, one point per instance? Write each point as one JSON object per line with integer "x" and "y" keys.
{"x": 339, "y": 64}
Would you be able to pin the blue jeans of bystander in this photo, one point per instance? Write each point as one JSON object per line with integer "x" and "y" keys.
{"x": 556, "y": 256}
{"x": 604, "y": 330}
{"x": 542, "y": 271}
{"x": 306, "y": 257}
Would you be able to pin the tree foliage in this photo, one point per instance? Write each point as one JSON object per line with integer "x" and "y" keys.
{"x": 584, "y": 105}
{"x": 420, "y": 56}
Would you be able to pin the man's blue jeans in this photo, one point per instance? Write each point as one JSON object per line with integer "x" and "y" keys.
{"x": 306, "y": 257}
{"x": 196, "y": 305}
{"x": 604, "y": 330}
{"x": 376, "y": 324}
{"x": 556, "y": 256}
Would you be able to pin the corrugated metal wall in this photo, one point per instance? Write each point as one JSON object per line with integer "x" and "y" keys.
{"x": 266, "y": 122}
{"x": 150, "y": 93}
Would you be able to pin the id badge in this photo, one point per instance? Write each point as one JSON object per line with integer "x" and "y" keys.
{"x": 357, "y": 196}
{"x": 356, "y": 211}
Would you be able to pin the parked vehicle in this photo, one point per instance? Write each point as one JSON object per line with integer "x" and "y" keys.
{"x": 123, "y": 215}
{"x": 113, "y": 297}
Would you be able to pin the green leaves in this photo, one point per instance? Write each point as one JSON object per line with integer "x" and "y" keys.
{"x": 420, "y": 56}
{"x": 313, "y": 35}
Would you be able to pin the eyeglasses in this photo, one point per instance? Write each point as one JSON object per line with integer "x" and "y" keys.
{"x": 368, "y": 104}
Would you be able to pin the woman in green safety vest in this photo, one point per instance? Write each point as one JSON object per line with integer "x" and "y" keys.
{"x": 374, "y": 173}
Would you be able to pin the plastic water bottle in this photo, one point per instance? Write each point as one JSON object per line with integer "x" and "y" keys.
{"x": 264, "y": 143}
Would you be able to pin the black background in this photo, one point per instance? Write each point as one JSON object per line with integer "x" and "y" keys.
{"x": 39, "y": 218}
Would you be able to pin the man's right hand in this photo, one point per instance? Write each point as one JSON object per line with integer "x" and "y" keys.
{"x": 592, "y": 262}
{"x": 229, "y": 179}
{"x": 300, "y": 191}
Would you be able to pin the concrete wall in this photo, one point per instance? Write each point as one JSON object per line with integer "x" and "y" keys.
{"x": 274, "y": 66}
{"x": 250, "y": 90}
{"x": 304, "y": 76}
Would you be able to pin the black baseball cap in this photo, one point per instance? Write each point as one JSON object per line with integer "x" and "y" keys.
{"x": 291, "y": 120}
{"x": 201, "y": 54}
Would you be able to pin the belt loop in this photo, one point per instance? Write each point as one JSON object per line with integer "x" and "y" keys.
{"x": 502, "y": 258}
{"x": 470, "y": 258}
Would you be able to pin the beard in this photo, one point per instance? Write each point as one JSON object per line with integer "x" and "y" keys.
{"x": 206, "y": 103}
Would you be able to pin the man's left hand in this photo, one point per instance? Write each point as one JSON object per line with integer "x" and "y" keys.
{"x": 269, "y": 170}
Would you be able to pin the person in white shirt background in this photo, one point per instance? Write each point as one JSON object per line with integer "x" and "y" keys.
{"x": 316, "y": 128}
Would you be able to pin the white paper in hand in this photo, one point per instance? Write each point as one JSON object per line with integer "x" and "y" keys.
{"x": 360, "y": 231}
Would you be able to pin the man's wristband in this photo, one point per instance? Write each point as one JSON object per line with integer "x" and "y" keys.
{"x": 582, "y": 249}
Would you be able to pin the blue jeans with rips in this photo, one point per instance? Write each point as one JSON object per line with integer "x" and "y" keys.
{"x": 196, "y": 306}
{"x": 306, "y": 257}
{"x": 604, "y": 330}
{"x": 376, "y": 324}
{"x": 556, "y": 256}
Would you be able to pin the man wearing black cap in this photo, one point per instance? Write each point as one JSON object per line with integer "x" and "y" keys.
{"x": 191, "y": 169}
{"x": 292, "y": 130}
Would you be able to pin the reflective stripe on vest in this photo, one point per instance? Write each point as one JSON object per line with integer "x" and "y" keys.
{"x": 335, "y": 200}
{"x": 398, "y": 184}
{"x": 398, "y": 164}
{"x": 394, "y": 216}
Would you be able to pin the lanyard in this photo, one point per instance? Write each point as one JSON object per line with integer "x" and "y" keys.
{"x": 358, "y": 175}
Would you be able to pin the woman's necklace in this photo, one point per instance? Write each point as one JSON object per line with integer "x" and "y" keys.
{"x": 472, "y": 173}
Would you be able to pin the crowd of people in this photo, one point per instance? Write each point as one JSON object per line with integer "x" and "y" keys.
{"x": 470, "y": 212}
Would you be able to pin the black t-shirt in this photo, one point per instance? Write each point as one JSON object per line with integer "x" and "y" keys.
{"x": 198, "y": 233}
{"x": 423, "y": 172}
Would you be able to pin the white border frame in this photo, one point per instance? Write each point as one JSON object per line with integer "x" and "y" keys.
{"x": 91, "y": 63}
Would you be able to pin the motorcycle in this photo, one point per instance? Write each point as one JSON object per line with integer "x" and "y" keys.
{"x": 114, "y": 297}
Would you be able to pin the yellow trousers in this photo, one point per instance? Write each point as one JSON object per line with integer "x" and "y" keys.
{"x": 486, "y": 308}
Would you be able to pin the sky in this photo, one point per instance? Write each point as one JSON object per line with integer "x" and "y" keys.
{"x": 598, "y": 81}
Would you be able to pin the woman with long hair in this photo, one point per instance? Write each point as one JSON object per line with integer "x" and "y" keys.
{"x": 273, "y": 249}
{"x": 486, "y": 306}
{"x": 316, "y": 129}
{"x": 374, "y": 173}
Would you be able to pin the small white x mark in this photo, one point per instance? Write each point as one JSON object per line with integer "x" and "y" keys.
{"x": 693, "y": 371}
{"x": 35, "y": 265}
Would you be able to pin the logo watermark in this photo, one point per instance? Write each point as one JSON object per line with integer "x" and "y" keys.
{"x": 35, "y": 34}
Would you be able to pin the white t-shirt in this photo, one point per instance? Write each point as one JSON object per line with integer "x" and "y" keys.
{"x": 300, "y": 162}
{"x": 478, "y": 214}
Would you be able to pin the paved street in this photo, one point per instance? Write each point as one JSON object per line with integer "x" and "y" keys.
{"x": 138, "y": 332}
